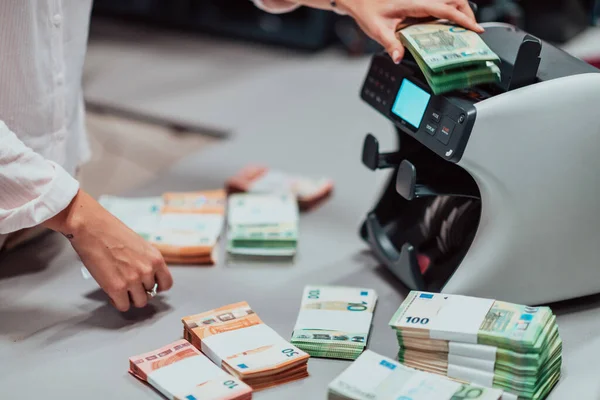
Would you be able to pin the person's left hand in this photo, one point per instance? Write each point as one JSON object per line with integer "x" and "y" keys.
{"x": 379, "y": 18}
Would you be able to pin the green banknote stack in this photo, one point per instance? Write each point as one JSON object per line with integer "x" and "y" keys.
{"x": 262, "y": 225}
{"x": 334, "y": 321}
{"x": 375, "y": 377}
{"x": 449, "y": 56}
{"x": 507, "y": 346}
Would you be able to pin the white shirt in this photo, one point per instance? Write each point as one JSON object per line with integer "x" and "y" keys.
{"x": 42, "y": 129}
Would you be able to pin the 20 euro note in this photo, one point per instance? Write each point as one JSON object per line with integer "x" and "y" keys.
{"x": 373, "y": 376}
{"x": 179, "y": 371}
{"x": 334, "y": 321}
{"x": 235, "y": 338}
{"x": 443, "y": 46}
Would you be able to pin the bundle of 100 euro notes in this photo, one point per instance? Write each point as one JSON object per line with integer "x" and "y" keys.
{"x": 450, "y": 57}
{"x": 507, "y": 346}
{"x": 236, "y": 339}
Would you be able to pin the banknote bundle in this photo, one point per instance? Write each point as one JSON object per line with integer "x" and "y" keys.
{"x": 180, "y": 372}
{"x": 235, "y": 338}
{"x": 374, "y": 377}
{"x": 185, "y": 227}
{"x": 507, "y": 346}
{"x": 263, "y": 226}
{"x": 334, "y": 321}
{"x": 450, "y": 57}
{"x": 260, "y": 179}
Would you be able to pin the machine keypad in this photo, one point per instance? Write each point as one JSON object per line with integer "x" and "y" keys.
{"x": 445, "y": 131}
{"x": 435, "y": 116}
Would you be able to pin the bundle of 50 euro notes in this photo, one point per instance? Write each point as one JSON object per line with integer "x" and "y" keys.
{"x": 497, "y": 344}
{"x": 236, "y": 339}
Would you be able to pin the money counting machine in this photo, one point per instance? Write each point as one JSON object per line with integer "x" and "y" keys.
{"x": 494, "y": 190}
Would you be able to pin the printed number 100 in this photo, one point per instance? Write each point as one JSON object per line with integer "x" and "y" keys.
{"x": 417, "y": 320}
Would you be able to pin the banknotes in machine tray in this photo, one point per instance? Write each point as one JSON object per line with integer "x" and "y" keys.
{"x": 373, "y": 376}
{"x": 498, "y": 344}
{"x": 309, "y": 192}
{"x": 235, "y": 338}
{"x": 180, "y": 372}
{"x": 334, "y": 321}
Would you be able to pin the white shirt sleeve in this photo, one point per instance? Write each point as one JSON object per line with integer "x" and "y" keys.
{"x": 276, "y": 6}
{"x": 32, "y": 188}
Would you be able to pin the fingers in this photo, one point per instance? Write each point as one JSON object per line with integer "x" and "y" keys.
{"x": 120, "y": 298}
{"x": 387, "y": 38}
{"x": 453, "y": 14}
{"x": 138, "y": 295}
{"x": 164, "y": 278}
{"x": 464, "y": 7}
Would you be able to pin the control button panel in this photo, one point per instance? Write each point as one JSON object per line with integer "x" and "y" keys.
{"x": 430, "y": 128}
{"x": 435, "y": 116}
{"x": 380, "y": 87}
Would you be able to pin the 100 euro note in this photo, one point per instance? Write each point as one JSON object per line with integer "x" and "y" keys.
{"x": 180, "y": 372}
{"x": 235, "y": 338}
{"x": 445, "y": 46}
{"x": 373, "y": 376}
{"x": 334, "y": 321}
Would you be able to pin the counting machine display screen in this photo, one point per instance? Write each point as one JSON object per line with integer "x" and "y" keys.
{"x": 410, "y": 103}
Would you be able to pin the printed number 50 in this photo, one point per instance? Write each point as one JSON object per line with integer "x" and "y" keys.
{"x": 290, "y": 352}
{"x": 417, "y": 320}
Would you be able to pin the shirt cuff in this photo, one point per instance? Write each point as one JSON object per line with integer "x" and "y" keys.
{"x": 59, "y": 194}
{"x": 276, "y": 6}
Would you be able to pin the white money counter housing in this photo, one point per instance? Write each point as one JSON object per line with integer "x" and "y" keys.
{"x": 494, "y": 191}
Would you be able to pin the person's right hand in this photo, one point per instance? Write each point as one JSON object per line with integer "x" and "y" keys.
{"x": 123, "y": 264}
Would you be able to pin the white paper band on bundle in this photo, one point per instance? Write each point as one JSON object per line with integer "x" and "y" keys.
{"x": 209, "y": 353}
{"x": 468, "y": 362}
{"x": 271, "y": 181}
{"x": 471, "y": 375}
{"x": 509, "y": 396}
{"x": 459, "y": 319}
{"x": 480, "y": 351}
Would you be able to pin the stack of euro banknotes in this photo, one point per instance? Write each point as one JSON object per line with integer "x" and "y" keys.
{"x": 450, "y": 57}
{"x": 262, "y": 216}
{"x": 496, "y": 344}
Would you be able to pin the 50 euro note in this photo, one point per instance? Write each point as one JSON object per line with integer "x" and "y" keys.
{"x": 375, "y": 377}
{"x": 334, "y": 321}
{"x": 235, "y": 338}
{"x": 180, "y": 372}
{"x": 190, "y": 226}
{"x": 309, "y": 192}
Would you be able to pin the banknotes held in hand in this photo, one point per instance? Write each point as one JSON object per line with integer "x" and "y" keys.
{"x": 450, "y": 57}
{"x": 236, "y": 339}
{"x": 503, "y": 345}
{"x": 374, "y": 377}
{"x": 334, "y": 321}
{"x": 181, "y": 372}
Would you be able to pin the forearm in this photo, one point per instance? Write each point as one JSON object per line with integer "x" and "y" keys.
{"x": 32, "y": 189}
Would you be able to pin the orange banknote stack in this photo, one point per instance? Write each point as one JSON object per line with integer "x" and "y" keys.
{"x": 180, "y": 372}
{"x": 190, "y": 226}
{"x": 236, "y": 339}
{"x": 260, "y": 179}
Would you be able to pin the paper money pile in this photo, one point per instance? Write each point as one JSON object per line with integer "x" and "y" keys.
{"x": 259, "y": 179}
{"x": 179, "y": 371}
{"x": 185, "y": 227}
{"x": 492, "y": 343}
{"x": 262, "y": 226}
{"x": 449, "y": 56}
{"x": 374, "y": 377}
{"x": 236, "y": 339}
{"x": 334, "y": 322}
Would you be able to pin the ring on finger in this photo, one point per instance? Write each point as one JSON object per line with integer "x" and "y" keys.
{"x": 153, "y": 291}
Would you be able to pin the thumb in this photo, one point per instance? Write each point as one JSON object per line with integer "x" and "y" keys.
{"x": 392, "y": 45}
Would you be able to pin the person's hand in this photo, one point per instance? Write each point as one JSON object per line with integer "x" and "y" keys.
{"x": 123, "y": 264}
{"x": 379, "y": 18}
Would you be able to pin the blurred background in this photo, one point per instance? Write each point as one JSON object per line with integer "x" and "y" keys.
{"x": 166, "y": 79}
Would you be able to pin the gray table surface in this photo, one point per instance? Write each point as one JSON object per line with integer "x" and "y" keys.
{"x": 59, "y": 338}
